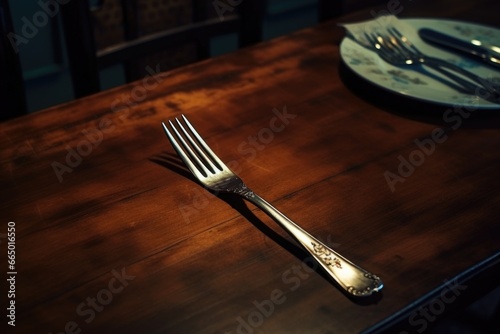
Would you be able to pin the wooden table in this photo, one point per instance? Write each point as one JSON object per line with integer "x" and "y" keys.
{"x": 113, "y": 235}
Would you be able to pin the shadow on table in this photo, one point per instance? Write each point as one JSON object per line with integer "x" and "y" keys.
{"x": 174, "y": 163}
{"x": 415, "y": 109}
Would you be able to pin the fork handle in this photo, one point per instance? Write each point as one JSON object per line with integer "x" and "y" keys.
{"x": 353, "y": 279}
{"x": 436, "y": 63}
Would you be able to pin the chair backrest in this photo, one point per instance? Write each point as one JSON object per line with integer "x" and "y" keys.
{"x": 328, "y": 9}
{"x": 12, "y": 93}
{"x": 241, "y": 16}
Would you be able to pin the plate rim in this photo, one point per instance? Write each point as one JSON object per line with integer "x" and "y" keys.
{"x": 413, "y": 97}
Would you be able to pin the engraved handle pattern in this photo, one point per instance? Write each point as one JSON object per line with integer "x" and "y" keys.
{"x": 355, "y": 280}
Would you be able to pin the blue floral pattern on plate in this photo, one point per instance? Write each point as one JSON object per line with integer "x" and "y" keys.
{"x": 413, "y": 84}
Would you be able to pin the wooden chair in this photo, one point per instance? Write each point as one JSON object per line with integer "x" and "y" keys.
{"x": 329, "y": 9}
{"x": 12, "y": 94}
{"x": 243, "y": 17}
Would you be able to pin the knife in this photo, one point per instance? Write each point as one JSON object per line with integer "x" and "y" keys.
{"x": 487, "y": 53}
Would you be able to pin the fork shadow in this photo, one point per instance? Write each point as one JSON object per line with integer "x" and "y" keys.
{"x": 173, "y": 162}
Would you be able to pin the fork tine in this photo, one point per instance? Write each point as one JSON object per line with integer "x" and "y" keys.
{"x": 397, "y": 34}
{"x": 396, "y": 46}
{"x": 200, "y": 171}
{"x": 207, "y": 149}
{"x": 370, "y": 39}
{"x": 198, "y": 150}
{"x": 392, "y": 44}
{"x": 379, "y": 43}
{"x": 202, "y": 167}
{"x": 373, "y": 41}
{"x": 405, "y": 42}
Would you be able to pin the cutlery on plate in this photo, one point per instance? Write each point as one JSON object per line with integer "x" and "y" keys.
{"x": 487, "y": 53}
{"x": 212, "y": 173}
{"x": 396, "y": 49}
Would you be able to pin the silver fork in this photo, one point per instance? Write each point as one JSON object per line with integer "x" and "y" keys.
{"x": 215, "y": 175}
{"x": 398, "y": 50}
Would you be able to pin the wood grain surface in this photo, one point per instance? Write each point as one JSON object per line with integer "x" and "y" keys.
{"x": 113, "y": 234}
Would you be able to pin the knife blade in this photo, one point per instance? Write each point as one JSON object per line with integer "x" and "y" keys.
{"x": 486, "y": 53}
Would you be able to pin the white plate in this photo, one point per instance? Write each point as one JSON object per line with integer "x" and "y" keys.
{"x": 413, "y": 84}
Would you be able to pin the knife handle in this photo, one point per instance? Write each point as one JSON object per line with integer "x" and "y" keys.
{"x": 453, "y": 43}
